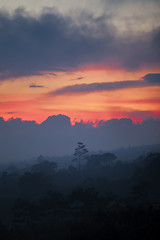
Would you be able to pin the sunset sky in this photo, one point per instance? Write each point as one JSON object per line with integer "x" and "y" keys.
{"x": 90, "y": 60}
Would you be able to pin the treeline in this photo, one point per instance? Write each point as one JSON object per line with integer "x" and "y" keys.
{"x": 96, "y": 197}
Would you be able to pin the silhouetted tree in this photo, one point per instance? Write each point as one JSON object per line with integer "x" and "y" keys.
{"x": 80, "y": 153}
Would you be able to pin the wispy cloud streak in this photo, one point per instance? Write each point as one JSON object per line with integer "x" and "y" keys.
{"x": 36, "y": 86}
{"x": 147, "y": 80}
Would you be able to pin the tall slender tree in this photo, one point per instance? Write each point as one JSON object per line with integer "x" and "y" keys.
{"x": 80, "y": 153}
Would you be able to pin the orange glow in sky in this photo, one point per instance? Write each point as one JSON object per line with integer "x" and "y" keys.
{"x": 28, "y": 98}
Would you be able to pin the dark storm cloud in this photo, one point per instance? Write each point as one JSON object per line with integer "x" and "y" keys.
{"x": 148, "y": 80}
{"x": 53, "y": 42}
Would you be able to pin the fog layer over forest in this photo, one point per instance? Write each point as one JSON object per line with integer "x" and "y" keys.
{"x": 20, "y": 140}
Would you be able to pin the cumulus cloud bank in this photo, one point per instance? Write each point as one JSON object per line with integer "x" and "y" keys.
{"x": 56, "y": 136}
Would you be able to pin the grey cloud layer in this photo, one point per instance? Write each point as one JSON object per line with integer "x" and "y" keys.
{"x": 119, "y": 2}
{"x": 53, "y": 42}
{"x": 148, "y": 80}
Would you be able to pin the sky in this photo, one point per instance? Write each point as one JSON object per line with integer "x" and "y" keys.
{"x": 90, "y": 60}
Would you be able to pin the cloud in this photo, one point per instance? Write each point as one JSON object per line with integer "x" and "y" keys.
{"x": 149, "y": 80}
{"x": 152, "y": 78}
{"x": 54, "y": 42}
{"x": 121, "y": 2}
{"x": 142, "y": 115}
{"x": 94, "y": 87}
{"x": 79, "y": 78}
{"x": 56, "y": 136}
{"x": 36, "y": 86}
{"x": 11, "y": 112}
{"x": 52, "y": 74}
{"x": 11, "y": 74}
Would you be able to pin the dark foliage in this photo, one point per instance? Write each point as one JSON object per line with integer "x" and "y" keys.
{"x": 103, "y": 199}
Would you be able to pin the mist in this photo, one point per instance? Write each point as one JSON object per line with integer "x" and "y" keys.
{"x": 21, "y": 140}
